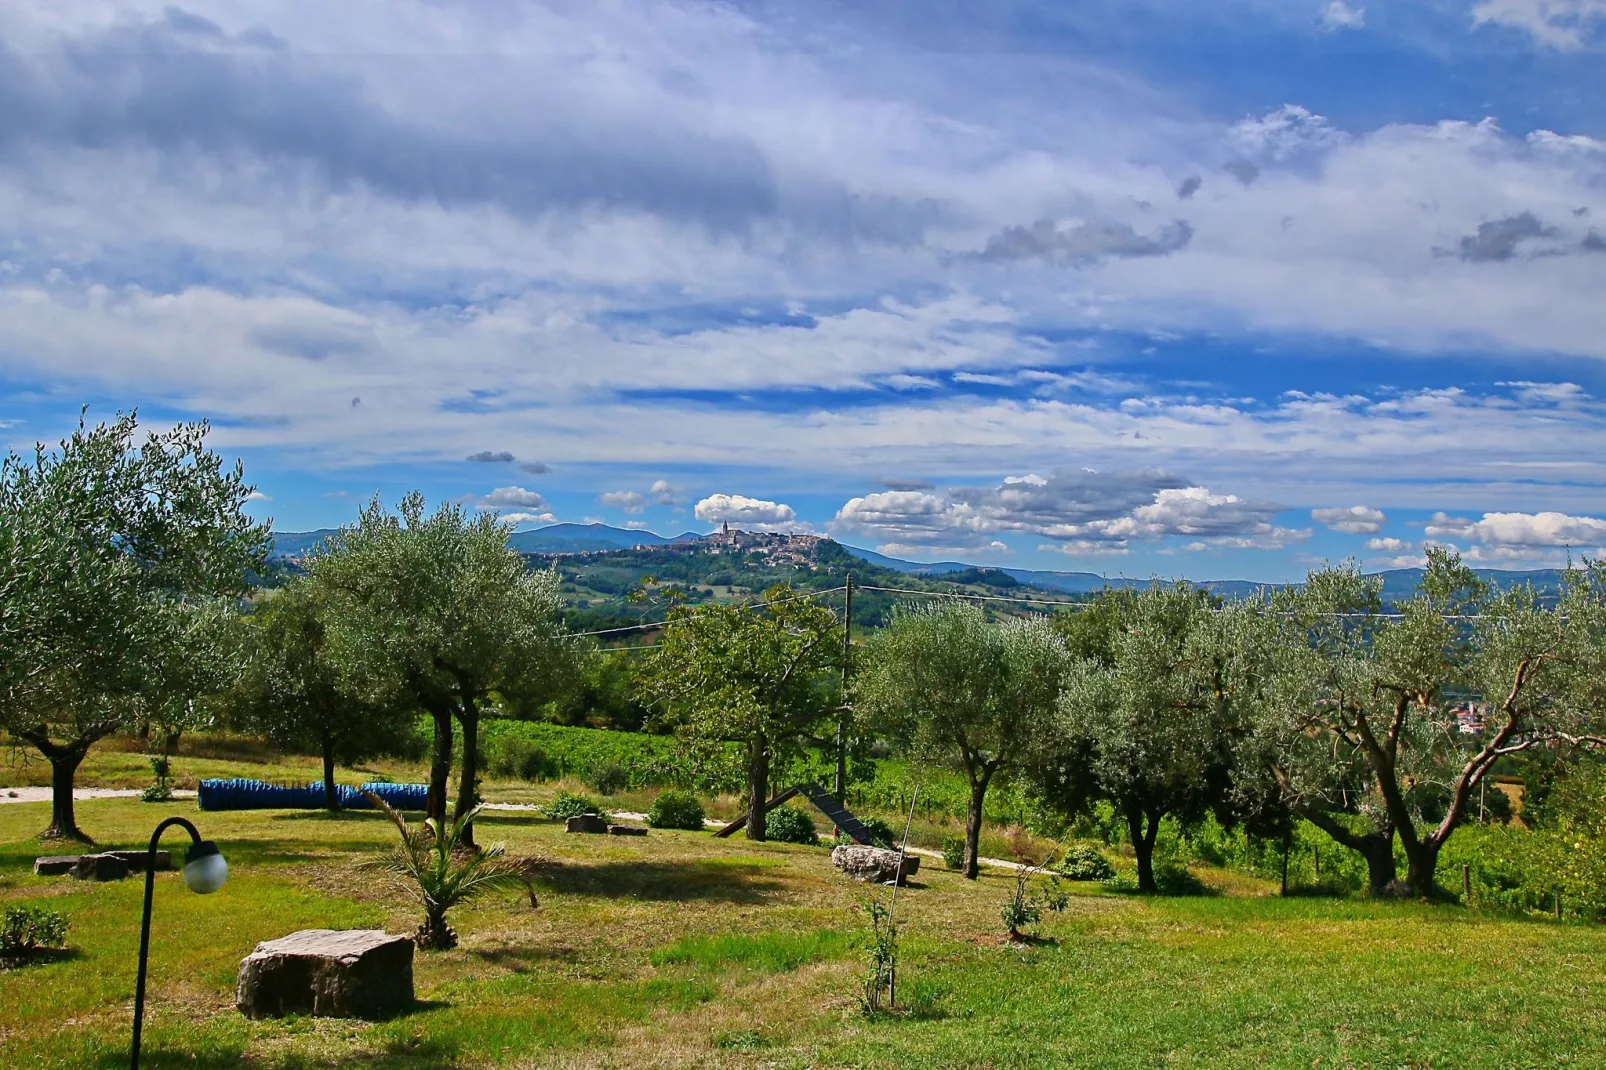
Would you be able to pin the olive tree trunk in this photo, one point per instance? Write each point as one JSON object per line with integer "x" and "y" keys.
{"x": 1143, "y": 844}
{"x": 978, "y": 795}
{"x": 440, "y": 765}
{"x": 331, "y": 794}
{"x": 758, "y": 786}
{"x": 468, "y": 780}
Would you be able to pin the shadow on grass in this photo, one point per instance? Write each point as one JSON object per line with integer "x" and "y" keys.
{"x": 38, "y": 957}
{"x": 660, "y": 881}
{"x": 400, "y": 1054}
{"x": 524, "y": 959}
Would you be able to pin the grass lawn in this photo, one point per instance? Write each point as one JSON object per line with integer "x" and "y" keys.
{"x": 678, "y": 949}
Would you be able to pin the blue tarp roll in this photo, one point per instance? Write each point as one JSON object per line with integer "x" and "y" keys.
{"x": 255, "y": 795}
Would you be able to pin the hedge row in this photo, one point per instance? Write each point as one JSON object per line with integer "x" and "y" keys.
{"x": 255, "y": 795}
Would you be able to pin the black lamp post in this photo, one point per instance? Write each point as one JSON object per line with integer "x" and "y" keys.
{"x": 204, "y": 873}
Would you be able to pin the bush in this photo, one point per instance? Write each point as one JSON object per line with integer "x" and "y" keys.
{"x": 676, "y": 810}
{"x": 521, "y": 758}
{"x": 566, "y": 804}
{"x": 953, "y": 852}
{"x": 26, "y": 931}
{"x": 1086, "y": 863}
{"x": 788, "y": 825}
{"x": 156, "y": 793}
{"x": 606, "y": 778}
{"x": 880, "y": 832}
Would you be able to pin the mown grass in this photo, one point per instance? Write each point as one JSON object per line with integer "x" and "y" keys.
{"x": 682, "y": 950}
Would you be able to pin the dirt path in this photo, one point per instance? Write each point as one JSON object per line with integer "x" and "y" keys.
{"x": 38, "y": 794}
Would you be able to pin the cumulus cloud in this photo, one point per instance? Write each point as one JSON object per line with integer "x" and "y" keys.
{"x": 1389, "y": 545}
{"x": 1354, "y": 520}
{"x": 633, "y": 502}
{"x": 535, "y": 468}
{"x": 529, "y": 518}
{"x": 1079, "y": 241}
{"x": 1338, "y": 15}
{"x": 1516, "y": 530}
{"x": 665, "y": 493}
{"x": 513, "y": 498}
{"x": 488, "y": 457}
{"x": 257, "y": 496}
{"x": 1083, "y": 508}
{"x": 754, "y": 514}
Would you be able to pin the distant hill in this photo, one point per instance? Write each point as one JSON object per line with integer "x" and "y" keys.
{"x": 1398, "y": 584}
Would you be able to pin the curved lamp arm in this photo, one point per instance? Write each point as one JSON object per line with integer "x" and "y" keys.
{"x": 204, "y": 872}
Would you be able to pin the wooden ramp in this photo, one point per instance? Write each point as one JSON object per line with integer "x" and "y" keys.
{"x": 824, "y": 802}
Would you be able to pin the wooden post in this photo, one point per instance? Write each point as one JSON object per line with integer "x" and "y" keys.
{"x": 1466, "y": 881}
{"x": 841, "y": 783}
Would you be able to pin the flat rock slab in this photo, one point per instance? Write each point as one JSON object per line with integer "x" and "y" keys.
{"x": 586, "y": 823}
{"x": 626, "y": 830}
{"x": 136, "y": 859}
{"x": 54, "y": 865}
{"x": 873, "y": 864}
{"x": 103, "y": 867}
{"x": 328, "y": 973}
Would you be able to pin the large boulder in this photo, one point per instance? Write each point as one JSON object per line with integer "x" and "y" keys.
{"x": 586, "y": 823}
{"x": 873, "y": 864}
{"x": 328, "y": 973}
{"x": 626, "y": 830}
{"x": 103, "y": 867}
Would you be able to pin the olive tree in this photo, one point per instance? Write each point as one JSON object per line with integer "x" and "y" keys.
{"x": 964, "y": 691}
{"x": 293, "y": 692}
{"x": 1361, "y": 732}
{"x": 436, "y": 612}
{"x": 1151, "y": 711}
{"x": 108, "y": 548}
{"x": 761, "y": 676}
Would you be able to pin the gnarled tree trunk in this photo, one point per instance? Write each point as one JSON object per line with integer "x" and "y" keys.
{"x": 331, "y": 794}
{"x": 440, "y": 765}
{"x": 64, "y": 758}
{"x": 467, "y": 785}
{"x": 1143, "y": 844}
{"x": 978, "y": 796}
{"x": 758, "y": 786}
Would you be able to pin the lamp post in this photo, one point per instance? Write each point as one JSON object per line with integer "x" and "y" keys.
{"x": 204, "y": 873}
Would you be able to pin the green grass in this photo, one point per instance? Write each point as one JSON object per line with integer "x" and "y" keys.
{"x": 682, "y": 950}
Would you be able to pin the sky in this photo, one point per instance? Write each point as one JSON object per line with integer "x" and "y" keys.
{"x": 1142, "y": 288}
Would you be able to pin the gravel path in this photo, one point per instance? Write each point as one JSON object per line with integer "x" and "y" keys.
{"x": 36, "y": 794}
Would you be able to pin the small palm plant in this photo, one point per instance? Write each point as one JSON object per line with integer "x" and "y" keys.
{"x": 442, "y": 875}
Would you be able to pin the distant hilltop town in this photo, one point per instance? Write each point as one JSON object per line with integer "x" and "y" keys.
{"x": 775, "y": 547}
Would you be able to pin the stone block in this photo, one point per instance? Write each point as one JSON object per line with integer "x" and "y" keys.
{"x": 54, "y": 865}
{"x": 873, "y": 864}
{"x": 136, "y": 859}
{"x": 102, "y": 867}
{"x": 327, "y": 973}
{"x": 626, "y": 830}
{"x": 586, "y": 823}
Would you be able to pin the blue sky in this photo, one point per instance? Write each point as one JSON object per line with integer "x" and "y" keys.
{"x": 1141, "y": 288}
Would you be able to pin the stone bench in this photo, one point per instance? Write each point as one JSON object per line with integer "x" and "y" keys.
{"x": 328, "y": 973}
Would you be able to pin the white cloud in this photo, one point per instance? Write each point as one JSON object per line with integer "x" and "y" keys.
{"x": 529, "y": 518}
{"x": 754, "y": 514}
{"x": 665, "y": 493}
{"x": 1338, "y": 15}
{"x": 512, "y": 498}
{"x": 929, "y": 550}
{"x": 257, "y": 496}
{"x": 1388, "y": 545}
{"x": 633, "y": 502}
{"x": 1560, "y": 24}
{"x": 1354, "y": 520}
{"x": 1515, "y": 530}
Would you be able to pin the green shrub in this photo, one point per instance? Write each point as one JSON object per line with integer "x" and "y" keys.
{"x": 566, "y": 804}
{"x": 676, "y": 810}
{"x": 880, "y": 832}
{"x": 1086, "y": 863}
{"x": 953, "y": 852}
{"x": 788, "y": 825}
{"x": 606, "y": 778}
{"x": 516, "y": 756}
{"x": 26, "y": 931}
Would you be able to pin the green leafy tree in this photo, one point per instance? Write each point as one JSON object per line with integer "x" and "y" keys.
{"x": 437, "y": 612}
{"x": 106, "y": 549}
{"x": 292, "y": 690}
{"x": 960, "y": 690}
{"x": 1151, "y": 713}
{"x": 758, "y": 676}
{"x": 1361, "y": 730}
